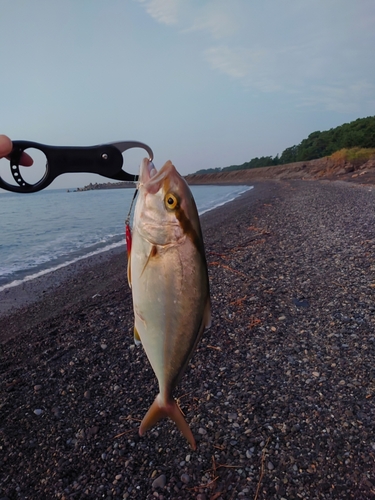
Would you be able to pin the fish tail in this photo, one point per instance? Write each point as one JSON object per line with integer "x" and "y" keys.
{"x": 159, "y": 410}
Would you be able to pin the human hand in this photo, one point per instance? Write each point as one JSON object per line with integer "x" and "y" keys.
{"x": 6, "y": 147}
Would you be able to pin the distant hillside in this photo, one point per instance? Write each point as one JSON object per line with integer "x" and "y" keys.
{"x": 357, "y": 134}
{"x": 353, "y": 165}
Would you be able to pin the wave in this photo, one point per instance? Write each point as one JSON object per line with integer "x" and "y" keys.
{"x": 60, "y": 266}
{"x": 225, "y": 201}
{"x": 83, "y": 247}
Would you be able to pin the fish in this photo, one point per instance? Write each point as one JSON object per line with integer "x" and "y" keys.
{"x": 168, "y": 276}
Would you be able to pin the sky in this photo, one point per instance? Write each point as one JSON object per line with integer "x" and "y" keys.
{"x": 205, "y": 83}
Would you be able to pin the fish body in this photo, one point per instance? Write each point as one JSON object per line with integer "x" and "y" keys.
{"x": 167, "y": 271}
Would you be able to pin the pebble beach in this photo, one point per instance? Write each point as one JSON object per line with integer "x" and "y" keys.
{"x": 280, "y": 393}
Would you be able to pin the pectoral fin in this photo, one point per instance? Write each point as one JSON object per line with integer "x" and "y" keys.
{"x": 153, "y": 253}
{"x": 158, "y": 410}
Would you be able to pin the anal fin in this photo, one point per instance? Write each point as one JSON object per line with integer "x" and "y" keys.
{"x": 137, "y": 338}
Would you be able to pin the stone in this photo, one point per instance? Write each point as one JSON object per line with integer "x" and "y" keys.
{"x": 185, "y": 478}
{"x": 160, "y": 481}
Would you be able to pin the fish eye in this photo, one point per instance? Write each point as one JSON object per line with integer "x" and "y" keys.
{"x": 171, "y": 201}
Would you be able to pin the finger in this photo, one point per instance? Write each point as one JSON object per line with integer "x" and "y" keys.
{"x": 26, "y": 160}
{"x": 6, "y": 145}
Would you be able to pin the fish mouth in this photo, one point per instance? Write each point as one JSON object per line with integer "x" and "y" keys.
{"x": 147, "y": 171}
{"x": 152, "y": 180}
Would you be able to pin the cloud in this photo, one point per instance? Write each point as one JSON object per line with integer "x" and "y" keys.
{"x": 313, "y": 55}
{"x": 342, "y": 97}
{"x": 218, "y": 19}
{"x": 163, "y": 11}
{"x": 308, "y": 81}
{"x": 252, "y": 67}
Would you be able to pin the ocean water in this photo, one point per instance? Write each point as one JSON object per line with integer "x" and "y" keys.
{"x": 43, "y": 231}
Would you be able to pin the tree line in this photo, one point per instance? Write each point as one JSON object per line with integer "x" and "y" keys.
{"x": 358, "y": 133}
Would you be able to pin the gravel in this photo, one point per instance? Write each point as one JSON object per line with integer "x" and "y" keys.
{"x": 279, "y": 394}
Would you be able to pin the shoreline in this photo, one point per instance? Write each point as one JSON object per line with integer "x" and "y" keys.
{"x": 32, "y": 287}
{"x": 29, "y": 291}
{"x": 279, "y": 394}
{"x": 31, "y": 301}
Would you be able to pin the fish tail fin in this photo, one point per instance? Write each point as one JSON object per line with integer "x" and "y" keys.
{"x": 159, "y": 410}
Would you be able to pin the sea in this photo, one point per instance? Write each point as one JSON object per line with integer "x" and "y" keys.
{"x": 47, "y": 230}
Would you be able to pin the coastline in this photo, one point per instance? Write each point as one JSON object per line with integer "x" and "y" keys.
{"x": 283, "y": 382}
{"x": 32, "y": 288}
{"x": 29, "y": 291}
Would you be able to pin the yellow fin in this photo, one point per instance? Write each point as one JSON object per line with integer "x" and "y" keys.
{"x": 158, "y": 410}
{"x": 137, "y": 338}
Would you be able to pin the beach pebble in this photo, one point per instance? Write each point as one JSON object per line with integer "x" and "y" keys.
{"x": 160, "y": 481}
{"x": 38, "y": 412}
{"x": 261, "y": 408}
{"x": 185, "y": 478}
{"x": 56, "y": 412}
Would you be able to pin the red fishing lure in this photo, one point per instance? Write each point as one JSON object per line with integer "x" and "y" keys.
{"x": 128, "y": 237}
{"x": 128, "y": 231}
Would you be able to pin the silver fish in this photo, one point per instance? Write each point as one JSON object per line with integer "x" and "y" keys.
{"x": 167, "y": 272}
